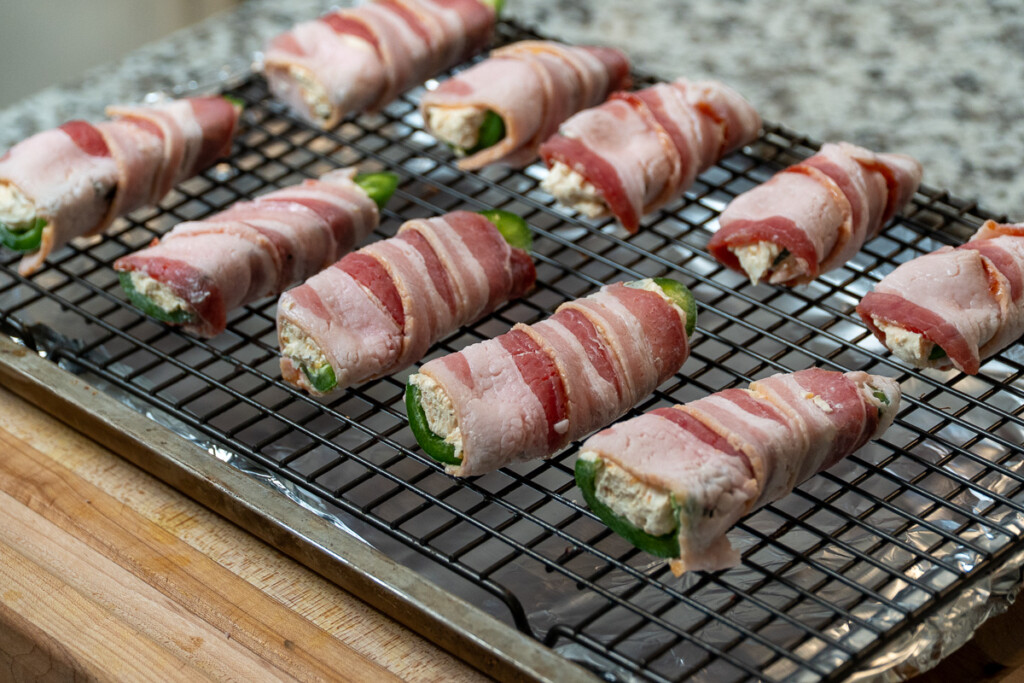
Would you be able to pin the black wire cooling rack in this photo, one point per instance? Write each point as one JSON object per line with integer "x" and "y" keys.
{"x": 830, "y": 575}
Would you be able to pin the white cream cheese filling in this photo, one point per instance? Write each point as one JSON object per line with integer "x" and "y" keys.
{"x": 159, "y": 293}
{"x": 298, "y": 346}
{"x": 573, "y": 191}
{"x": 758, "y": 259}
{"x": 457, "y": 126}
{"x": 908, "y": 346}
{"x": 16, "y": 209}
{"x": 438, "y": 408}
{"x": 644, "y": 506}
{"x": 313, "y": 92}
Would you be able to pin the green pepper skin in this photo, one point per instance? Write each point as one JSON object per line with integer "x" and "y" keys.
{"x": 512, "y": 227}
{"x": 659, "y": 546}
{"x": 498, "y": 5}
{"x": 432, "y": 444}
{"x": 378, "y": 186}
{"x": 149, "y": 307}
{"x": 23, "y": 239}
{"x": 492, "y": 131}
{"x": 680, "y": 295}
{"x": 236, "y": 102}
{"x": 323, "y": 379}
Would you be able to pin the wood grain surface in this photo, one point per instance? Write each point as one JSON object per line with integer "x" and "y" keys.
{"x": 106, "y": 573}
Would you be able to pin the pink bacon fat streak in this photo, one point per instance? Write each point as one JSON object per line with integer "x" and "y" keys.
{"x": 379, "y": 310}
{"x": 254, "y": 248}
{"x": 725, "y": 455}
{"x": 967, "y": 301}
{"x": 533, "y": 86}
{"x": 80, "y": 177}
{"x": 640, "y": 150}
{"x": 359, "y": 59}
{"x": 530, "y": 392}
{"x": 815, "y": 215}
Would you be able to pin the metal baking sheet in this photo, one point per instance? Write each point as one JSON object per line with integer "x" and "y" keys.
{"x": 856, "y": 565}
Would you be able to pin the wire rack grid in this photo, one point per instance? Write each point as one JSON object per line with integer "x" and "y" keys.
{"x": 829, "y": 576}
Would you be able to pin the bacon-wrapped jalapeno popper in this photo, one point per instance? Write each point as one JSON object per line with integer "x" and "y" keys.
{"x": 378, "y": 310}
{"x": 673, "y": 481}
{"x": 359, "y": 59}
{"x": 502, "y": 109}
{"x": 76, "y": 179}
{"x": 953, "y": 307}
{"x": 640, "y": 150}
{"x": 814, "y": 216}
{"x": 531, "y": 391}
{"x": 201, "y": 270}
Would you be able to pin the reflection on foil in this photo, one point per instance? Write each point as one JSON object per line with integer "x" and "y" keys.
{"x": 595, "y": 663}
{"x": 48, "y": 342}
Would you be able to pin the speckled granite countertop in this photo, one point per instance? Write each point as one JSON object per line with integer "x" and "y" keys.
{"x": 939, "y": 79}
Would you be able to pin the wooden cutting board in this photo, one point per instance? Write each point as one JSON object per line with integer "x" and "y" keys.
{"x": 107, "y": 573}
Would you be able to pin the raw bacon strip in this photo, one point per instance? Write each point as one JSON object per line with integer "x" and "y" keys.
{"x": 638, "y": 151}
{"x": 529, "y": 392}
{"x": 360, "y": 59}
{"x": 255, "y": 248}
{"x": 533, "y": 86}
{"x": 78, "y": 178}
{"x": 953, "y": 307}
{"x": 139, "y": 153}
{"x": 675, "y": 480}
{"x": 68, "y": 176}
{"x": 434, "y": 276}
{"x": 194, "y": 133}
{"x": 815, "y": 215}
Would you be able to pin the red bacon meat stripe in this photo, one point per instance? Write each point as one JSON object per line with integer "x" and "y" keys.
{"x": 639, "y": 151}
{"x": 530, "y": 392}
{"x": 815, "y": 215}
{"x": 720, "y": 457}
{"x": 80, "y": 177}
{"x": 953, "y": 307}
{"x": 256, "y": 248}
{"x": 378, "y": 310}
{"x": 356, "y": 60}
{"x": 533, "y": 86}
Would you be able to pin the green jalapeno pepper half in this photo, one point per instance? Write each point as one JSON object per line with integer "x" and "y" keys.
{"x": 149, "y": 307}
{"x": 322, "y": 378}
{"x": 436, "y": 447}
{"x": 666, "y": 545}
{"x": 679, "y": 294}
{"x": 378, "y": 186}
{"x": 510, "y": 225}
{"x": 29, "y": 237}
{"x": 432, "y": 444}
{"x": 23, "y": 238}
